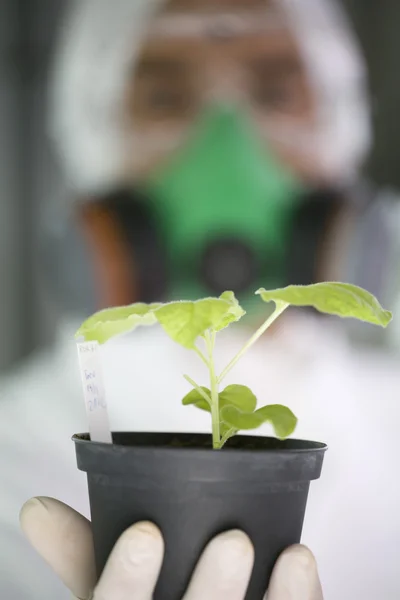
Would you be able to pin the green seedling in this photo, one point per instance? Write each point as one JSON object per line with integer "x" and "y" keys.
{"x": 195, "y": 325}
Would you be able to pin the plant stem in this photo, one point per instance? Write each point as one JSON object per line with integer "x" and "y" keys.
{"x": 201, "y": 355}
{"x": 280, "y": 307}
{"x": 226, "y": 437}
{"x": 210, "y": 341}
{"x": 198, "y": 388}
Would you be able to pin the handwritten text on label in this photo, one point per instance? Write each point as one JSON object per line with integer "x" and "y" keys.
{"x": 93, "y": 390}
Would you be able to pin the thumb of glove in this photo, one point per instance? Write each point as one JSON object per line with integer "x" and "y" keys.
{"x": 64, "y": 540}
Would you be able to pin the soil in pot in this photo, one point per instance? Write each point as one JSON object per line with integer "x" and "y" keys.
{"x": 257, "y": 484}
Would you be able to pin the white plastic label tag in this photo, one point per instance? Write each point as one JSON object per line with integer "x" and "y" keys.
{"x": 93, "y": 391}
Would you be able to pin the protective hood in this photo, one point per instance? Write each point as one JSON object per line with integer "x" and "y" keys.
{"x": 98, "y": 47}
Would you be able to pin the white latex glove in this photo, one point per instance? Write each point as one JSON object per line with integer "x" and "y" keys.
{"x": 64, "y": 539}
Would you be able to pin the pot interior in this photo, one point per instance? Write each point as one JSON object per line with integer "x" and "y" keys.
{"x": 204, "y": 441}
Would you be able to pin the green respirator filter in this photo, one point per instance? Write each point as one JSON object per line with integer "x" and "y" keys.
{"x": 223, "y": 205}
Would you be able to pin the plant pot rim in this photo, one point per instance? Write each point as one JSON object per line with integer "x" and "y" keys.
{"x": 288, "y": 446}
{"x": 256, "y": 461}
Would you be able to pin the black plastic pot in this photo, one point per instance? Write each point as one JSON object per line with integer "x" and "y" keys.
{"x": 257, "y": 484}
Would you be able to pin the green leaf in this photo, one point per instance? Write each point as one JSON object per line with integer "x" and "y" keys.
{"x": 110, "y": 322}
{"x": 341, "y": 299}
{"x": 238, "y": 395}
{"x": 184, "y": 322}
{"x": 235, "y": 312}
{"x": 281, "y": 418}
{"x": 195, "y": 398}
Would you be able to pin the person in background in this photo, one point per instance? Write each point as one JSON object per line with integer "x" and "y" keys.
{"x": 212, "y": 145}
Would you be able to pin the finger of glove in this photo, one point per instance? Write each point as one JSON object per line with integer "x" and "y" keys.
{"x": 295, "y": 576}
{"x": 63, "y": 538}
{"x": 132, "y": 570}
{"x": 224, "y": 569}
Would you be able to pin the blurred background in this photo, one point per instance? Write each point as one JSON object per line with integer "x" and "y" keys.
{"x": 206, "y": 145}
{"x": 30, "y": 174}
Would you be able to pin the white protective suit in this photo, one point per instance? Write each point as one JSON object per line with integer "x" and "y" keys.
{"x": 345, "y": 397}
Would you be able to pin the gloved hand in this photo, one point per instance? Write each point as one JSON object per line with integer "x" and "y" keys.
{"x": 64, "y": 539}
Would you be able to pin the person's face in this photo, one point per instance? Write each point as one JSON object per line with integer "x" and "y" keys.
{"x": 199, "y": 52}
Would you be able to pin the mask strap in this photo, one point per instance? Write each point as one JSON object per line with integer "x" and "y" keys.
{"x": 111, "y": 256}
